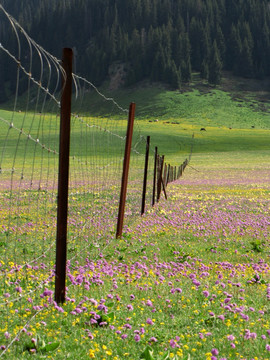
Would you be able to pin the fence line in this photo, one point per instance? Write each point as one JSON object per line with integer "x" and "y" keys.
{"x": 29, "y": 189}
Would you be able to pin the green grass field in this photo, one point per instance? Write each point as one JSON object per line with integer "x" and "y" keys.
{"x": 188, "y": 280}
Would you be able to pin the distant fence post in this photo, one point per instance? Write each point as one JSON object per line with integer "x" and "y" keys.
{"x": 172, "y": 171}
{"x": 123, "y": 193}
{"x": 164, "y": 188}
{"x": 165, "y": 175}
{"x": 154, "y": 177}
{"x": 159, "y": 179}
{"x": 185, "y": 164}
{"x": 181, "y": 169}
{"x": 145, "y": 174}
{"x": 168, "y": 174}
{"x": 62, "y": 204}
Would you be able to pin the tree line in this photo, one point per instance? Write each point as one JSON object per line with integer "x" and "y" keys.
{"x": 159, "y": 40}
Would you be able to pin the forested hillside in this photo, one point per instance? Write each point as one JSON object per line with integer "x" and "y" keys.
{"x": 161, "y": 40}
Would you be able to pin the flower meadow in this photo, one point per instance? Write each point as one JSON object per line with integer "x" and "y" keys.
{"x": 190, "y": 279}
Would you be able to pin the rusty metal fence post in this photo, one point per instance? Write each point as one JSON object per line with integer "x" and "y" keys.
{"x": 123, "y": 193}
{"x": 62, "y": 200}
{"x": 154, "y": 177}
{"x": 145, "y": 174}
{"x": 159, "y": 179}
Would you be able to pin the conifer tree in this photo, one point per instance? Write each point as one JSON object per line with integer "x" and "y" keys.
{"x": 204, "y": 73}
{"x": 234, "y": 50}
{"x": 159, "y": 66}
{"x": 246, "y": 61}
{"x": 215, "y": 66}
{"x": 185, "y": 62}
{"x": 196, "y": 27}
{"x": 206, "y": 44}
{"x": 174, "y": 78}
{"x": 135, "y": 54}
{"x": 220, "y": 42}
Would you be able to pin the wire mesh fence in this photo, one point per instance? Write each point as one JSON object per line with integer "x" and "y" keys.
{"x": 29, "y": 158}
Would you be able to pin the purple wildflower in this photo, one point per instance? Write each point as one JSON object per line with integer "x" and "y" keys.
{"x": 173, "y": 344}
{"x": 7, "y": 335}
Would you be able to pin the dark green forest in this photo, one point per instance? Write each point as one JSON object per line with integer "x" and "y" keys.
{"x": 158, "y": 40}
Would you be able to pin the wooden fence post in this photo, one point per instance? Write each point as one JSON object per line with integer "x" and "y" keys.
{"x": 145, "y": 174}
{"x": 165, "y": 175}
{"x": 123, "y": 194}
{"x": 164, "y": 188}
{"x": 185, "y": 164}
{"x": 159, "y": 179}
{"x": 62, "y": 200}
{"x": 168, "y": 174}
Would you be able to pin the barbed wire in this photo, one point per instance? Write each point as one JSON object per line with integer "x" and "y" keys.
{"x": 29, "y": 75}
{"x": 77, "y": 77}
{"x": 28, "y": 136}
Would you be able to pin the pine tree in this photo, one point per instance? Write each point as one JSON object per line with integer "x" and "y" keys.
{"x": 215, "y": 66}
{"x": 220, "y": 42}
{"x": 233, "y": 50}
{"x": 196, "y": 27}
{"x": 135, "y": 54}
{"x": 173, "y": 78}
{"x": 204, "y": 73}
{"x": 206, "y": 44}
{"x": 159, "y": 66}
{"x": 185, "y": 59}
{"x": 261, "y": 52}
{"x": 246, "y": 61}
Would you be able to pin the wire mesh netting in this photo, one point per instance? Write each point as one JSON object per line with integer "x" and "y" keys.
{"x": 29, "y": 151}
